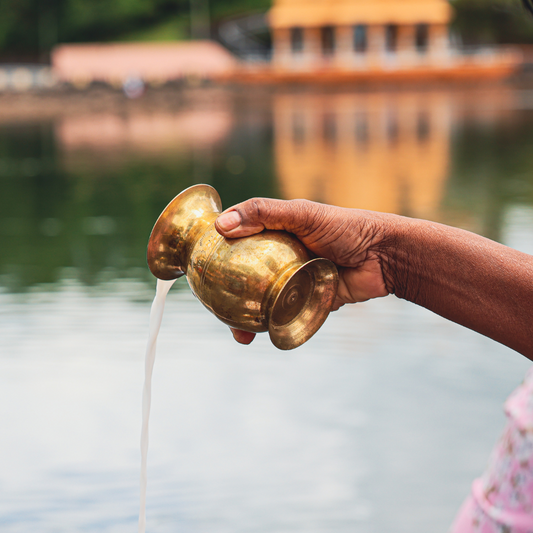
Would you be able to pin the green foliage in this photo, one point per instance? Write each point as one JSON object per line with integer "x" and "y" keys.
{"x": 35, "y": 26}
{"x": 15, "y": 17}
{"x": 492, "y": 22}
{"x": 227, "y": 8}
{"x": 105, "y": 19}
{"x": 177, "y": 27}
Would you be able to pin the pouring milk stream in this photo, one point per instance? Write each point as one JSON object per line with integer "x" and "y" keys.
{"x": 156, "y": 317}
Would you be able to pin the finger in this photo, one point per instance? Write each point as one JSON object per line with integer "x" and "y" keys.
{"x": 242, "y": 337}
{"x": 337, "y": 304}
{"x": 257, "y": 214}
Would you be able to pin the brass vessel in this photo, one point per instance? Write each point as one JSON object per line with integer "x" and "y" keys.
{"x": 265, "y": 282}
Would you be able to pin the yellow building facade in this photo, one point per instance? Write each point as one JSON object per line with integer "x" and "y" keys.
{"x": 376, "y": 34}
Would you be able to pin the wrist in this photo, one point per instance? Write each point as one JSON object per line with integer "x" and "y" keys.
{"x": 398, "y": 249}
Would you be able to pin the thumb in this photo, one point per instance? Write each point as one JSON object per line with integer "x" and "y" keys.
{"x": 257, "y": 214}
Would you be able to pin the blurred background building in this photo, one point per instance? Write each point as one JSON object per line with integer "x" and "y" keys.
{"x": 382, "y": 38}
{"x": 352, "y": 32}
{"x": 120, "y": 64}
{"x": 279, "y": 41}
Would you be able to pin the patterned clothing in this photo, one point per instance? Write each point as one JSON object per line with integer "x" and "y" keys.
{"x": 502, "y": 499}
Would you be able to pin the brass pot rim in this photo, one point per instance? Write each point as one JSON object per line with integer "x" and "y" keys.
{"x": 162, "y": 248}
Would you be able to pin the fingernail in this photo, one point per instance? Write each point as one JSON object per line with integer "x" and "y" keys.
{"x": 229, "y": 221}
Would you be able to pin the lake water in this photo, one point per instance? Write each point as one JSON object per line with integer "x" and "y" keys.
{"x": 378, "y": 423}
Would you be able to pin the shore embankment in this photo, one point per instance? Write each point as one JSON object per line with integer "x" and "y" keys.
{"x": 38, "y": 105}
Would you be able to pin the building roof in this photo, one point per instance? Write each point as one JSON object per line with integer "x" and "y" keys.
{"x": 313, "y": 13}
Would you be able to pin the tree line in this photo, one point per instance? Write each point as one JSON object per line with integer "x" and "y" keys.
{"x": 32, "y": 27}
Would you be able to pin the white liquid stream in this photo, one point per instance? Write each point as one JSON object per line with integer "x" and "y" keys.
{"x": 156, "y": 316}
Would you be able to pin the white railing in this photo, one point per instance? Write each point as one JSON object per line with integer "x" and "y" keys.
{"x": 402, "y": 60}
{"x": 21, "y": 78}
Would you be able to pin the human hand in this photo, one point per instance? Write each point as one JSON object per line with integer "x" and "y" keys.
{"x": 463, "y": 277}
{"x": 355, "y": 240}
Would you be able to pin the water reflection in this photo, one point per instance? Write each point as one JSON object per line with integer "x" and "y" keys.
{"x": 80, "y": 194}
{"x": 381, "y": 151}
{"x": 397, "y": 151}
{"x": 114, "y": 138}
{"x": 379, "y": 423}
{"x": 81, "y": 191}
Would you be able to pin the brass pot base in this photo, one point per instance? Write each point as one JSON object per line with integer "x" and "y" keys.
{"x": 303, "y": 304}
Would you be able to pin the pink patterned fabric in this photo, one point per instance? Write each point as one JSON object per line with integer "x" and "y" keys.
{"x": 502, "y": 499}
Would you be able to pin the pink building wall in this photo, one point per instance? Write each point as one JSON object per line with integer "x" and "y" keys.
{"x": 153, "y": 62}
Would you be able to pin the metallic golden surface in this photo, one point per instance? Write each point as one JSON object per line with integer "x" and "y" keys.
{"x": 266, "y": 282}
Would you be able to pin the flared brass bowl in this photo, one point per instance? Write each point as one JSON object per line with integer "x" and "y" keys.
{"x": 265, "y": 282}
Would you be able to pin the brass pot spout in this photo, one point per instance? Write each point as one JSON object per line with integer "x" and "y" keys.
{"x": 266, "y": 282}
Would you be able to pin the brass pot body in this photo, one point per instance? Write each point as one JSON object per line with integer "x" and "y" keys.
{"x": 265, "y": 282}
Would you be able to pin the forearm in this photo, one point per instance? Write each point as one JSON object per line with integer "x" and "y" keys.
{"x": 466, "y": 278}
